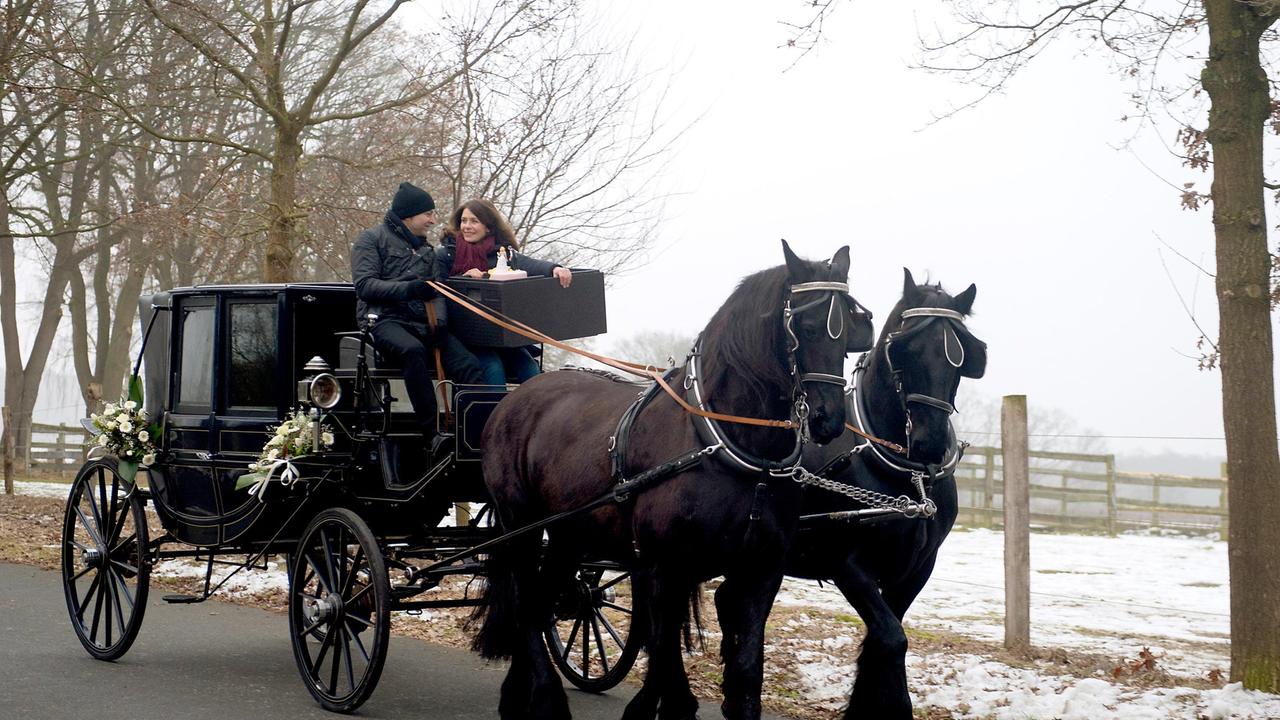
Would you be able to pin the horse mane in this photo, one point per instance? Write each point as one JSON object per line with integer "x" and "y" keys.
{"x": 744, "y": 339}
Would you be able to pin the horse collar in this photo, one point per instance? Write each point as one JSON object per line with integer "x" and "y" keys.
{"x": 710, "y": 432}
{"x": 886, "y": 457}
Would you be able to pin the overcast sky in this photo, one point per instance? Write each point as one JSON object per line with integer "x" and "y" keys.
{"x": 1037, "y": 196}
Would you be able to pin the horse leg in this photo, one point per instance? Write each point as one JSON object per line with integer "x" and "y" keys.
{"x": 880, "y": 688}
{"x": 516, "y": 608}
{"x": 742, "y": 605}
{"x": 665, "y": 692}
{"x": 547, "y": 698}
{"x": 899, "y": 596}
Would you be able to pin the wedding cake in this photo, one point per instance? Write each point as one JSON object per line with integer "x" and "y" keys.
{"x": 503, "y": 271}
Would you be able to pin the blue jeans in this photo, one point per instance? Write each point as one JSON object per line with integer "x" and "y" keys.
{"x": 497, "y": 364}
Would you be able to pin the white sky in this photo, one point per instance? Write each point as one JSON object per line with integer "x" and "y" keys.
{"x": 1031, "y": 196}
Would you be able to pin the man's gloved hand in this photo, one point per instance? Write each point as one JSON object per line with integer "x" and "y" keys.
{"x": 441, "y": 314}
{"x": 420, "y": 290}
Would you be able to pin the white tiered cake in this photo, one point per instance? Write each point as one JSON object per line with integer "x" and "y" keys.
{"x": 503, "y": 271}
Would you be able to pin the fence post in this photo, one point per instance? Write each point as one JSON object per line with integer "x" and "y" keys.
{"x": 1017, "y": 524}
{"x": 989, "y": 487}
{"x": 1111, "y": 495}
{"x": 1155, "y": 501}
{"x": 8, "y": 450}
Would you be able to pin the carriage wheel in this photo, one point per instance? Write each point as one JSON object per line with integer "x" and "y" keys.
{"x": 590, "y": 641}
{"x": 339, "y": 610}
{"x": 104, "y": 575}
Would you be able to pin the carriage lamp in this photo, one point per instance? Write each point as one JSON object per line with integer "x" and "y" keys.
{"x": 322, "y": 388}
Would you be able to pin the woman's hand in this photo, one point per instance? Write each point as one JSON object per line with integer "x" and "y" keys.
{"x": 563, "y": 275}
{"x": 473, "y": 273}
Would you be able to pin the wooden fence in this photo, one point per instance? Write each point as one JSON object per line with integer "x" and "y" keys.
{"x": 55, "y": 448}
{"x": 1071, "y": 491}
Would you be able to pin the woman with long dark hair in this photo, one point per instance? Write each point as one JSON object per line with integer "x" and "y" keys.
{"x": 469, "y": 248}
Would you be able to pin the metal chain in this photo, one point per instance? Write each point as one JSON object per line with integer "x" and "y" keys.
{"x": 925, "y": 507}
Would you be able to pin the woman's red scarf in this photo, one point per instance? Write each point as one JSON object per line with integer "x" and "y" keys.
{"x": 472, "y": 255}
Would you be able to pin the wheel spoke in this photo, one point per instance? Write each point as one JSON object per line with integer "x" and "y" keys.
{"x": 573, "y": 634}
{"x": 357, "y": 594}
{"x": 310, "y": 628}
{"x": 586, "y": 652}
{"x": 113, "y": 523}
{"x": 79, "y": 575}
{"x": 316, "y": 571}
{"x": 100, "y": 504}
{"x": 115, "y": 583}
{"x": 346, "y": 656}
{"x": 125, "y": 567}
{"x": 88, "y": 595}
{"x": 608, "y": 626}
{"x": 336, "y": 659}
{"x": 124, "y": 587}
{"x": 91, "y": 528}
{"x": 613, "y": 582}
{"x": 356, "y": 560}
{"x": 615, "y": 606}
{"x": 360, "y": 645}
{"x": 358, "y": 619}
{"x": 97, "y": 610}
{"x": 119, "y": 545}
{"x": 604, "y": 658}
{"x": 328, "y": 560}
{"x": 324, "y": 650}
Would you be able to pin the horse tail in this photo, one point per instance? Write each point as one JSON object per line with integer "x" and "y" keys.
{"x": 498, "y": 614}
{"x": 694, "y": 636}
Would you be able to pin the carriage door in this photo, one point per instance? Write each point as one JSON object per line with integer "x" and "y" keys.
{"x": 250, "y": 399}
{"x": 189, "y": 491}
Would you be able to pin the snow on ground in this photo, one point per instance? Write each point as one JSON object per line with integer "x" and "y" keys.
{"x": 42, "y": 489}
{"x": 1101, "y": 595}
{"x": 1092, "y": 593}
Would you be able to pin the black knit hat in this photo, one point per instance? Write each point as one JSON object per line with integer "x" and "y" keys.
{"x": 411, "y": 200}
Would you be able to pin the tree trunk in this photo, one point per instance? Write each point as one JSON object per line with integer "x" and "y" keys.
{"x": 284, "y": 229}
{"x": 1238, "y": 91}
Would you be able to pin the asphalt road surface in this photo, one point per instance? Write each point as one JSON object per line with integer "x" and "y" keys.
{"x": 216, "y": 661}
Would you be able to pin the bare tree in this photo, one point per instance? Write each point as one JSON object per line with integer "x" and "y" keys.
{"x": 998, "y": 38}
{"x": 293, "y": 61}
{"x": 566, "y": 136}
{"x": 654, "y": 347}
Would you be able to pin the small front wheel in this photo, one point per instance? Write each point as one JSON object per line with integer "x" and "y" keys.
{"x": 591, "y": 640}
{"x": 339, "y": 609}
{"x": 105, "y": 574}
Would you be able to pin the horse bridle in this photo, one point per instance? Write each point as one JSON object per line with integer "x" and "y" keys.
{"x": 952, "y": 318}
{"x": 800, "y": 405}
{"x": 835, "y": 330}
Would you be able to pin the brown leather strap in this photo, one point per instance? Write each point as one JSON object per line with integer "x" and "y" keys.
{"x": 435, "y": 348}
{"x": 647, "y": 371}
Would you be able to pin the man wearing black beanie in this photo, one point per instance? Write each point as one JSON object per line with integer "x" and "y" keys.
{"x": 390, "y": 266}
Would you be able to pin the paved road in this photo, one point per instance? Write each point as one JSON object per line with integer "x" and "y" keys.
{"x": 218, "y": 661}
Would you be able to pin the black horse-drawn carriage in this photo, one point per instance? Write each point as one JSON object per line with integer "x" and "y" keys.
{"x": 561, "y": 463}
{"x": 359, "y": 519}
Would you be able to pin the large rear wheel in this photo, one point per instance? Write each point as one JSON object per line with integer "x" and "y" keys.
{"x": 105, "y": 575}
{"x": 339, "y": 610}
{"x": 591, "y": 640}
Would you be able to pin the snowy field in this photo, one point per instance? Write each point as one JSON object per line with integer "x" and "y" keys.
{"x": 1104, "y": 596}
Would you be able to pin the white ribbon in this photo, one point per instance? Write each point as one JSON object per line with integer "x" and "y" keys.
{"x": 288, "y": 476}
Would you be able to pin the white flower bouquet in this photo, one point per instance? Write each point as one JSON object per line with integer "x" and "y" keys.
{"x": 122, "y": 429}
{"x": 298, "y": 436}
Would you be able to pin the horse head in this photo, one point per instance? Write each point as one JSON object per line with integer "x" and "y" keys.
{"x": 821, "y": 321}
{"x": 924, "y": 351}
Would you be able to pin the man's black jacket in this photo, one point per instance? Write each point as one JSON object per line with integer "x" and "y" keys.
{"x": 388, "y": 265}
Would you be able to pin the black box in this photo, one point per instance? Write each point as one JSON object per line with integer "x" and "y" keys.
{"x": 539, "y": 302}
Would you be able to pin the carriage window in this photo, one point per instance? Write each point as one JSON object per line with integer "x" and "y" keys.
{"x": 196, "y": 377}
{"x": 252, "y": 367}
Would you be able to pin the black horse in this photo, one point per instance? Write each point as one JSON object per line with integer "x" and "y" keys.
{"x": 728, "y": 507}
{"x": 905, "y": 393}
